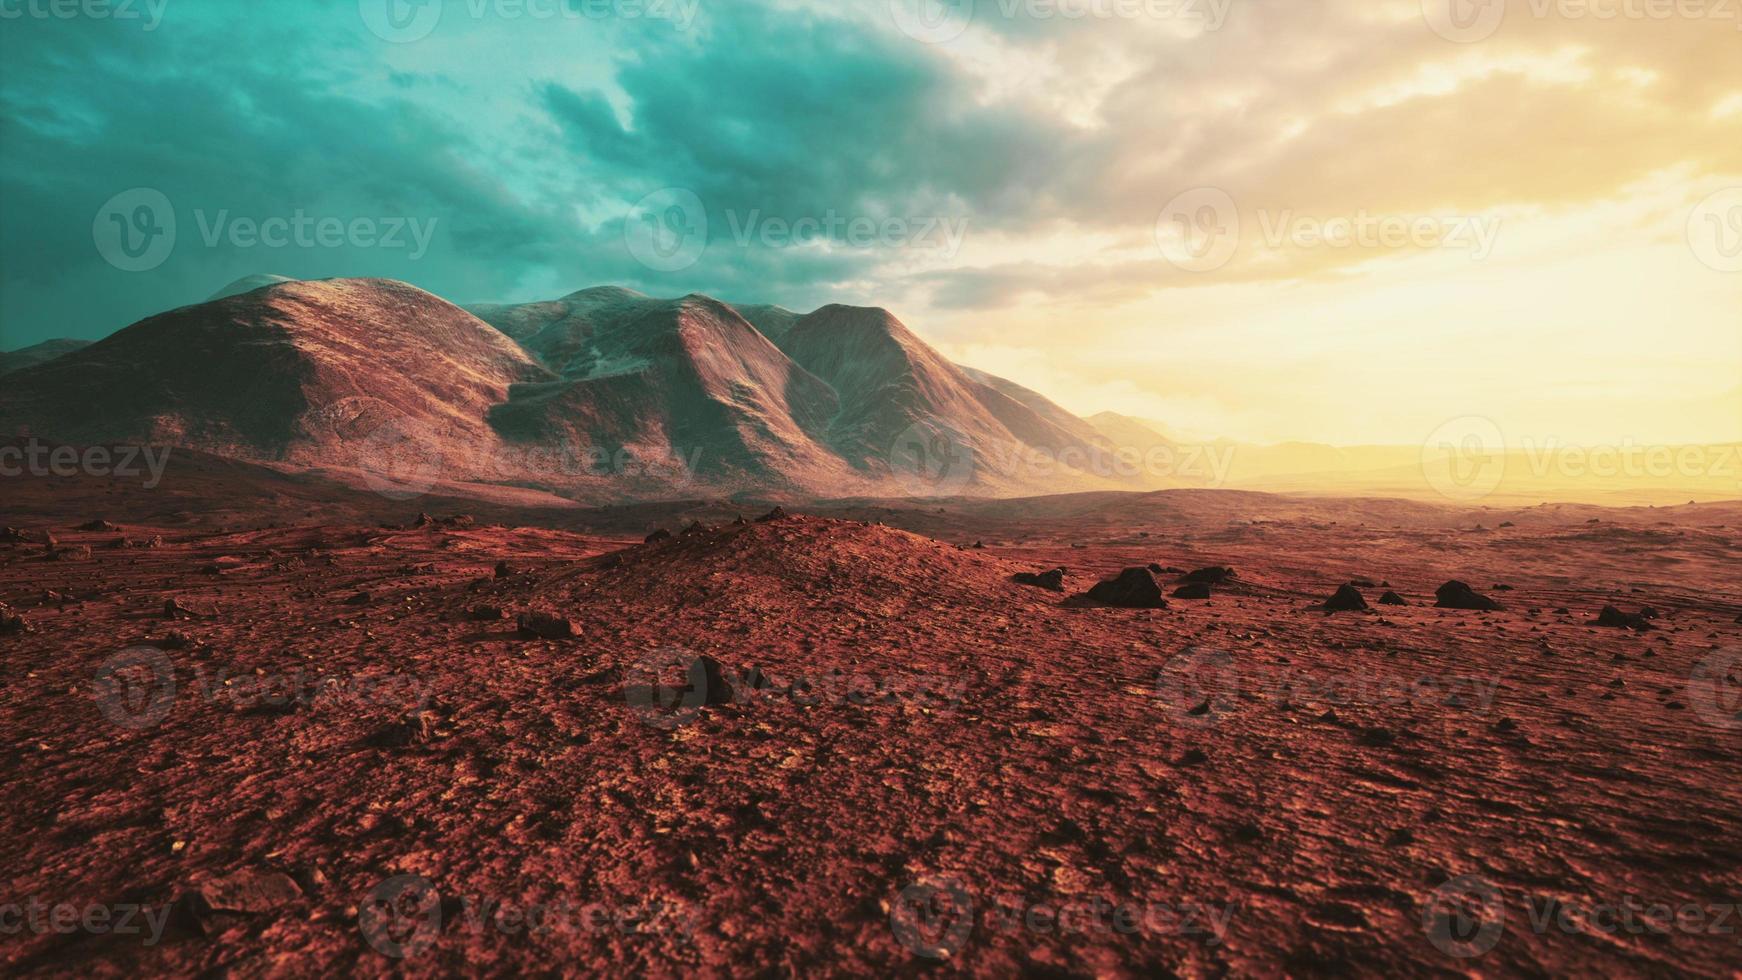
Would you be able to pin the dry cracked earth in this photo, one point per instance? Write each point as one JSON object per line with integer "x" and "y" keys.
{"x": 821, "y": 745}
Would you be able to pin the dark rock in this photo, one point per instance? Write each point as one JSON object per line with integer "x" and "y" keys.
{"x": 1134, "y": 588}
{"x": 504, "y": 570}
{"x": 360, "y": 599}
{"x": 1362, "y": 583}
{"x": 1457, "y": 595}
{"x": 1193, "y": 757}
{"x": 658, "y": 536}
{"x": 245, "y": 893}
{"x": 486, "y": 614}
{"x": 1193, "y": 590}
{"x": 1400, "y": 837}
{"x": 777, "y": 514}
{"x": 173, "y": 609}
{"x": 1210, "y": 576}
{"x": 1347, "y": 599}
{"x": 1616, "y": 619}
{"x": 695, "y": 528}
{"x": 424, "y": 520}
{"x": 1392, "y": 599}
{"x": 545, "y": 626}
{"x": 1378, "y": 738}
{"x": 979, "y": 545}
{"x": 12, "y": 535}
{"x": 13, "y": 624}
{"x": 77, "y": 552}
{"x": 99, "y": 526}
{"x": 1054, "y": 579}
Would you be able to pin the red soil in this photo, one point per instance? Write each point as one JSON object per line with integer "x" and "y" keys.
{"x": 1256, "y": 786}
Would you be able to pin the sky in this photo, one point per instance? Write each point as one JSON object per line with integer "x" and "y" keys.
{"x": 1343, "y": 221}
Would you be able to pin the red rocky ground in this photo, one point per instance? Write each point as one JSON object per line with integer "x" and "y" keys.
{"x": 925, "y": 767}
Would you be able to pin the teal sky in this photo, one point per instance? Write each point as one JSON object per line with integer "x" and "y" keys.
{"x": 1017, "y": 185}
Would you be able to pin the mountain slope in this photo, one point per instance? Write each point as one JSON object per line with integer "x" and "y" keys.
{"x": 248, "y": 284}
{"x": 301, "y": 371}
{"x": 652, "y": 382}
{"x": 36, "y": 354}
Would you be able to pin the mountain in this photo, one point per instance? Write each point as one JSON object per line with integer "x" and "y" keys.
{"x": 604, "y": 393}
{"x": 678, "y": 389}
{"x": 308, "y": 372}
{"x": 1123, "y": 430}
{"x": 36, "y": 354}
{"x": 248, "y": 284}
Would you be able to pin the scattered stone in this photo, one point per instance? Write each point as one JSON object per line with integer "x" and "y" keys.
{"x": 1053, "y": 580}
{"x": 77, "y": 552}
{"x": 1134, "y": 588}
{"x": 1614, "y": 618}
{"x": 245, "y": 893}
{"x": 12, "y": 535}
{"x": 173, "y": 609}
{"x": 777, "y": 514}
{"x": 979, "y": 546}
{"x": 545, "y": 626}
{"x": 1505, "y": 725}
{"x": 1401, "y": 837}
{"x": 486, "y": 614}
{"x": 1193, "y": 590}
{"x": 360, "y": 599}
{"x": 13, "y": 624}
{"x": 99, "y": 526}
{"x": 1457, "y": 595}
{"x": 504, "y": 570}
{"x": 1193, "y": 757}
{"x": 1362, "y": 583}
{"x": 1498, "y": 587}
{"x": 1376, "y": 737}
{"x": 1347, "y": 599}
{"x": 695, "y": 528}
{"x": 657, "y": 537}
{"x": 1215, "y": 575}
{"x": 1392, "y": 599}
{"x": 1330, "y": 716}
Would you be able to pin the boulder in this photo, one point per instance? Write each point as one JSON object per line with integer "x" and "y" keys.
{"x": 1134, "y": 588}
{"x": 1458, "y": 595}
{"x": 1392, "y": 599}
{"x": 1614, "y": 618}
{"x": 1215, "y": 575}
{"x": 11, "y": 623}
{"x": 1347, "y": 599}
{"x": 1054, "y": 579}
{"x": 99, "y": 526}
{"x": 245, "y": 893}
{"x": 777, "y": 514}
{"x": 657, "y": 537}
{"x": 1193, "y": 590}
{"x": 538, "y": 625}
